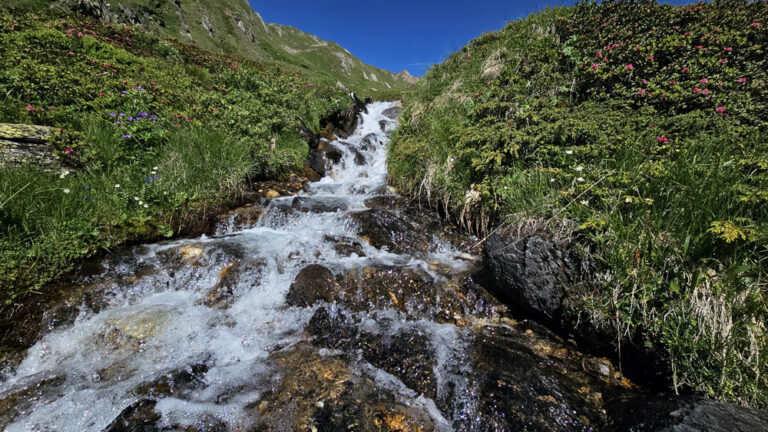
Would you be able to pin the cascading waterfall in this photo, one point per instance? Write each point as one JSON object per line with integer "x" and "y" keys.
{"x": 149, "y": 326}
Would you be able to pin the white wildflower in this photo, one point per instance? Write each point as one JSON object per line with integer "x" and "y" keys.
{"x": 66, "y": 190}
{"x": 135, "y": 198}
{"x": 569, "y": 152}
{"x": 551, "y": 180}
{"x": 64, "y": 174}
{"x": 579, "y": 168}
{"x": 117, "y": 186}
{"x": 584, "y": 202}
{"x": 580, "y": 179}
{"x": 146, "y": 205}
{"x": 155, "y": 168}
{"x": 628, "y": 200}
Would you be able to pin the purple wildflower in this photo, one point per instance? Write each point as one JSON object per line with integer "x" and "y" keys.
{"x": 126, "y": 136}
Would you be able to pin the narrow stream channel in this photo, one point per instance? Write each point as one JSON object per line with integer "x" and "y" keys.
{"x": 295, "y": 320}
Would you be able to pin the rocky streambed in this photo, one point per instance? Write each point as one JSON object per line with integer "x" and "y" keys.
{"x": 341, "y": 308}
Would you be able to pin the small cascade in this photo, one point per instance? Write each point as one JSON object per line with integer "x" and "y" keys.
{"x": 336, "y": 307}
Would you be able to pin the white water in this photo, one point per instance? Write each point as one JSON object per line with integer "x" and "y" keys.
{"x": 161, "y": 324}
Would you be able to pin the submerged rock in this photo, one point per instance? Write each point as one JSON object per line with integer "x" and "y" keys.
{"x": 408, "y": 354}
{"x": 345, "y": 246}
{"x": 139, "y": 417}
{"x": 317, "y": 392}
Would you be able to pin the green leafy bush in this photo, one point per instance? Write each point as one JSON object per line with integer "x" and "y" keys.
{"x": 638, "y": 130}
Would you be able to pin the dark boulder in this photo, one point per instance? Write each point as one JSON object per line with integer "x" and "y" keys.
{"x": 313, "y": 283}
{"x": 387, "y": 229}
{"x": 683, "y": 414}
{"x": 408, "y": 354}
{"x": 322, "y": 158}
{"x": 393, "y": 113}
{"x": 318, "y": 204}
{"x": 529, "y": 274}
{"x": 386, "y": 202}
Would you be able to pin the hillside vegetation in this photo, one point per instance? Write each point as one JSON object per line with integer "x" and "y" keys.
{"x": 639, "y": 132}
{"x": 157, "y": 133}
{"x": 232, "y": 27}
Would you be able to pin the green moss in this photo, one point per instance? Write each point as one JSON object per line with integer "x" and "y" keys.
{"x": 659, "y": 168}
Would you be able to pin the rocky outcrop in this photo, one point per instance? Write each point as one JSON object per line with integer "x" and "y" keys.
{"x": 683, "y": 414}
{"x": 324, "y": 156}
{"x": 407, "y": 77}
{"x": 530, "y": 274}
{"x": 22, "y": 144}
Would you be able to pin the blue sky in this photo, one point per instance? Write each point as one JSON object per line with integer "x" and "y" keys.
{"x": 400, "y": 34}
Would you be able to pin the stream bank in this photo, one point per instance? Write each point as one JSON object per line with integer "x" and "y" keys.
{"x": 343, "y": 307}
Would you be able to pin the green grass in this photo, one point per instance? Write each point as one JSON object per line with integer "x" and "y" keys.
{"x": 287, "y": 47}
{"x": 658, "y": 170}
{"x": 201, "y": 127}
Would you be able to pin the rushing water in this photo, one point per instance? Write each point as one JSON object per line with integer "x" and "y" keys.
{"x": 158, "y": 323}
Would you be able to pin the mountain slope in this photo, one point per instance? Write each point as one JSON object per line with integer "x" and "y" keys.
{"x": 232, "y": 27}
{"x": 636, "y": 130}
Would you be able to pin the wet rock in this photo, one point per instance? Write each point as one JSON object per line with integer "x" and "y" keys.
{"x": 322, "y": 393}
{"x": 408, "y": 354}
{"x": 393, "y": 113}
{"x": 516, "y": 390}
{"x": 222, "y": 294}
{"x": 324, "y": 156}
{"x": 530, "y": 275}
{"x": 319, "y": 204}
{"x": 313, "y": 283}
{"x": 683, "y": 413}
{"x": 242, "y": 217}
{"x": 359, "y": 157}
{"x": 346, "y": 246}
{"x": 385, "y": 202}
{"x": 22, "y": 144}
{"x": 369, "y": 142}
{"x": 178, "y": 384}
{"x": 35, "y": 389}
{"x": 270, "y": 194}
{"x": 22, "y": 325}
{"x": 139, "y": 417}
{"x": 383, "y": 228}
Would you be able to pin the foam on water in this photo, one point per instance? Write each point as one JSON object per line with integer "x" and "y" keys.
{"x": 159, "y": 323}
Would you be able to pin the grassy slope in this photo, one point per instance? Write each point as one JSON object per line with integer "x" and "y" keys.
{"x": 253, "y": 38}
{"x": 166, "y": 132}
{"x": 639, "y": 130}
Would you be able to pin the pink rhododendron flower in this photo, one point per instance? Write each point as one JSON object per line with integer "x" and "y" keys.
{"x": 755, "y": 25}
{"x": 705, "y": 91}
{"x": 662, "y": 139}
{"x": 723, "y": 60}
{"x": 599, "y": 54}
{"x": 729, "y": 49}
{"x": 650, "y": 57}
{"x": 741, "y": 80}
{"x": 645, "y": 81}
{"x": 720, "y": 109}
{"x": 696, "y": 90}
{"x": 595, "y": 66}
{"x": 686, "y": 69}
{"x": 641, "y": 92}
{"x": 69, "y": 151}
{"x": 30, "y": 108}
{"x": 704, "y": 80}
{"x": 699, "y": 47}
{"x": 629, "y": 67}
